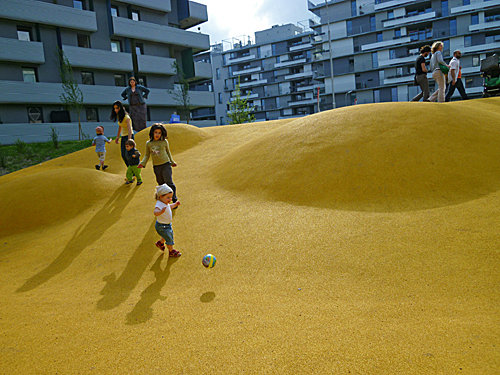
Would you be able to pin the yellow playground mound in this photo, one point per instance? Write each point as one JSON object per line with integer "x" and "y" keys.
{"x": 383, "y": 157}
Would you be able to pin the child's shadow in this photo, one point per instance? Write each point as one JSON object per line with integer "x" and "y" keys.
{"x": 143, "y": 310}
{"x": 116, "y": 291}
{"x": 83, "y": 237}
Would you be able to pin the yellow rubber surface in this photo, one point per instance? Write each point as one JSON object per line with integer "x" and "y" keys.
{"x": 363, "y": 240}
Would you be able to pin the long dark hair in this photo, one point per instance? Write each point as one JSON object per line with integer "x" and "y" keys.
{"x": 152, "y": 132}
{"x": 121, "y": 112}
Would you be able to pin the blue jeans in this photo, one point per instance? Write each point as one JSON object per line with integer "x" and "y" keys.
{"x": 166, "y": 232}
{"x": 123, "y": 149}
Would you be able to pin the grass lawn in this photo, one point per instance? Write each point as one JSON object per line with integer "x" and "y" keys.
{"x": 21, "y": 155}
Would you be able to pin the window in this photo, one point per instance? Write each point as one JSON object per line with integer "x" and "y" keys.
{"x": 394, "y": 94}
{"x": 135, "y": 15}
{"x": 141, "y": 80}
{"x": 120, "y": 80}
{"x": 466, "y": 2}
{"x": 376, "y": 96}
{"x": 446, "y": 47}
{"x": 453, "y": 26}
{"x": 373, "y": 24}
{"x": 83, "y": 40}
{"x": 217, "y": 73}
{"x": 29, "y": 75}
{"x": 349, "y": 27}
{"x": 222, "y": 120}
{"x": 475, "y": 60}
{"x": 474, "y": 19}
{"x": 78, "y": 4}
{"x": 351, "y": 65}
{"x": 380, "y": 37}
{"x": 139, "y": 49}
{"x": 397, "y": 33}
{"x": 467, "y": 41}
{"x": 444, "y": 8}
{"x": 374, "y": 60}
{"x": 114, "y": 11}
{"x": 35, "y": 115}
{"x": 88, "y": 78}
{"x": 116, "y": 46}
{"x": 353, "y": 8}
{"x": 92, "y": 114}
{"x": 390, "y": 15}
{"x": 220, "y": 98}
{"x": 392, "y": 54}
{"x": 24, "y": 34}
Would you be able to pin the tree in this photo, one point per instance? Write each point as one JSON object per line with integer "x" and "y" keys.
{"x": 181, "y": 93}
{"x": 240, "y": 110}
{"x": 72, "y": 96}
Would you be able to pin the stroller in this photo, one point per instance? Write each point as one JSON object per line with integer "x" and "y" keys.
{"x": 490, "y": 71}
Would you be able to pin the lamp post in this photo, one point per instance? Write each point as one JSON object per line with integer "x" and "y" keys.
{"x": 330, "y": 53}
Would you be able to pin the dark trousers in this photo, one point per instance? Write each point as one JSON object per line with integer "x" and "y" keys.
{"x": 424, "y": 86}
{"x": 459, "y": 86}
{"x": 123, "y": 149}
{"x": 163, "y": 175}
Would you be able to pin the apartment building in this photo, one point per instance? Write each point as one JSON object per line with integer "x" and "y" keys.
{"x": 374, "y": 44}
{"x": 105, "y": 41}
{"x": 274, "y": 72}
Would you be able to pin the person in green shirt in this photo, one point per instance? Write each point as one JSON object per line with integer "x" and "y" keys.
{"x": 157, "y": 148}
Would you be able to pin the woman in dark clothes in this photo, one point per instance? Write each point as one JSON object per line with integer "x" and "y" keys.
{"x": 136, "y": 95}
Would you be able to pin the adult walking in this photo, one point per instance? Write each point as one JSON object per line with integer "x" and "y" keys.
{"x": 136, "y": 96}
{"x": 437, "y": 63}
{"x": 125, "y": 131}
{"x": 421, "y": 74}
{"x": 455, "y": 77}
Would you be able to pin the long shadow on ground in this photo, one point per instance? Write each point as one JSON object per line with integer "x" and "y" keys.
{"x": 143, "y": 310}
{"x": 83, "y": 237}
{"x": 116, "y": 291}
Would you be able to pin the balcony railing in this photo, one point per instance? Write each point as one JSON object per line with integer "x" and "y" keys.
{"x": 389, "y": 4}
{"x": 48, "y": 14}
{"x": 21, "y": 51}
{"x": 299, "y": 75}
{"x": 240, "y": 59}
{"x": 291, "y": 62}
{"x": 300, "y": 46}
{"x": 428, "y": 14}
{"x": 197, "y": 14}
{"x": 253, "y": 83}
{"x": 486, "y": 25}
{"x": 385, "y": 43}
{"x": 475, "y": 6}
{"x": 156, "y": 65}
{"x": 161, "y": 5}
{"x": 98, "y": 59}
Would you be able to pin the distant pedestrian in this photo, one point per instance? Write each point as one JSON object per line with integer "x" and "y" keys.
{"x": 136, "y": 96}
{"x": 124, "y": 127}
{"x": 421, "y": 74}
{"x": 438, "y": 69}
{"x": 455, "y": 77}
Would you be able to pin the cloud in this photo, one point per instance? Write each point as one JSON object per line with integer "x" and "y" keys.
{"x": 235, "y": 18}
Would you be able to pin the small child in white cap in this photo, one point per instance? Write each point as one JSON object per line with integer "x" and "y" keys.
{"x": 100, "y": 147}
{"x": 163, "y": 213}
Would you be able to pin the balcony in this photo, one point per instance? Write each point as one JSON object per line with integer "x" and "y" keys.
{"x": 290, "y": 63}
{"x": 253, "y": 83}
{"x": 202, "y": 70}
{"x": 302, "y": 102}
{"x": 299, "y": 75}
{"x": 475, "y": 6}
{"x": 300, "y": 47}
{"x": 251, "y": 96}
{"x": 481, "y": 48}
{"x": 399, "y": 79}
{"x": 471, "y": 70}
{"x": 240, "y": 59}
{"x": 17, "y": 92}
{"x": 247, "y": 71}
{"x": 412, "y": 19}
{"x": 386, "y": 43}
{"x": 141, "y": 30}
{"x": 196, "y": 14}
{"x": 48, "y": 14}
{"x": 485, "y": 26}
{"x": 156, "y": 65}
{"x": 401, "y": 60}
{"x": 390, "y": 4}
{"x": 14, "y": 50}
{"x": 98, "y": 59}
{"x": 161, "y": 5}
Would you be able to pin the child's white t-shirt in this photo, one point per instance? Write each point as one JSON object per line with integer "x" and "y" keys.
{"x": 166, "y": 217}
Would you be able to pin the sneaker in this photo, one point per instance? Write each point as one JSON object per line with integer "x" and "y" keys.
{"x": 139, "y": 183}
{"x": 104, "y": 167}
{"x": 97, "y": 167}
{"x": 160, "y": 245}
{"x": 128, "y": 182}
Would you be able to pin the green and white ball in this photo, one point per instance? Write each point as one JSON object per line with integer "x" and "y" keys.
{"x": 209, "y": 261}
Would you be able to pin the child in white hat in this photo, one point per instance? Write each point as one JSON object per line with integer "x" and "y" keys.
{"x": 163, "y": 213}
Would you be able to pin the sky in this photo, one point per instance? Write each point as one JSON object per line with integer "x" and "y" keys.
{"x": 234, "y": 18}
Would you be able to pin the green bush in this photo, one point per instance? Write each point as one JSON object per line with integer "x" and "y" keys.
{"x": 21, "y": 146}
{"x": 55, "y": 137}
